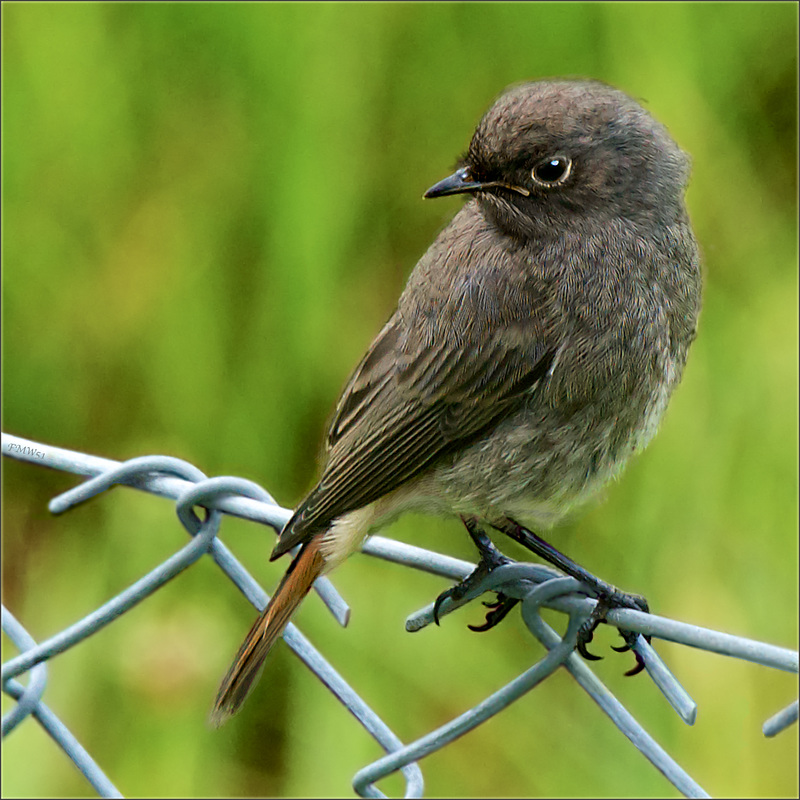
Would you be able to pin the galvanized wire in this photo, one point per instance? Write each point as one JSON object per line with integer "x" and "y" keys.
{"x": 535, "y": 585}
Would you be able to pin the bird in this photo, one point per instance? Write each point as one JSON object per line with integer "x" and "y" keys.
{"x": 533, "y": 350}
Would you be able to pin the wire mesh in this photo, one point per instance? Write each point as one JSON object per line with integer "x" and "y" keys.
{"x": 536, "y": 586}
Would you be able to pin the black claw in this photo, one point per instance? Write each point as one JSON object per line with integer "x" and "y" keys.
{"x": 581, "y": 648}
{"x": 630, "y": 640}
{"x": 499, "y": 609}
{"x": 437, "y": 604}
{"x": 585, "y": 635}
{"x": 638, "y": 668}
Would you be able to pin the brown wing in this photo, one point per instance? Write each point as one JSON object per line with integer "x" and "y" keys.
{"x": 408, "y": 403}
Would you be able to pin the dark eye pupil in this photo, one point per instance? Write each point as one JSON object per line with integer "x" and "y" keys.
{"x": 551, "y": 170}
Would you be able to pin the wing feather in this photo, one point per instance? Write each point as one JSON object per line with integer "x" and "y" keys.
{"x": 409, "y": 415}
{"x": 471, "y": 338}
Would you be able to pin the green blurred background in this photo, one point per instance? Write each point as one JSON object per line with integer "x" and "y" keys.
{"x": 208, "y": 213}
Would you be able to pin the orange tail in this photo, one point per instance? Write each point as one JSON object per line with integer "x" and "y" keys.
{"x": 246, "y": 668}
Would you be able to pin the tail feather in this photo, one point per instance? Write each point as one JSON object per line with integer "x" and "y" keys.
{"x": 249, "y": 662}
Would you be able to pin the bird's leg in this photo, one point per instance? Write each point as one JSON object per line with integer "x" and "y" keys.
{"x": 608, "y": 596}
{"x": 490, "y": 559}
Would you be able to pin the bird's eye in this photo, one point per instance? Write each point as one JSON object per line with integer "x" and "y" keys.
{"x": 552, "y": 171}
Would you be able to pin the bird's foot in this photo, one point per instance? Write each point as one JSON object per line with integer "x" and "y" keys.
{"x": 608, "y": 596}
{"x": 606, "y": 602}
{"x": 490, "y": 559}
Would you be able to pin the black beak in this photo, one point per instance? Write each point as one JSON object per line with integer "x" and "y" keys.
{"x": 459, "y": 182}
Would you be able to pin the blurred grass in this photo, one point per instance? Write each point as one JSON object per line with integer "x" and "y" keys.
{"x": 208, "y": 212}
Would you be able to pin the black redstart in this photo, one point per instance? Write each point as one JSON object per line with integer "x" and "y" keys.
{"x": 533, "y": 350}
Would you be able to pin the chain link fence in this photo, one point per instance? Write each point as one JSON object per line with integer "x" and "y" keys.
{"x": 536, "y": 586}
